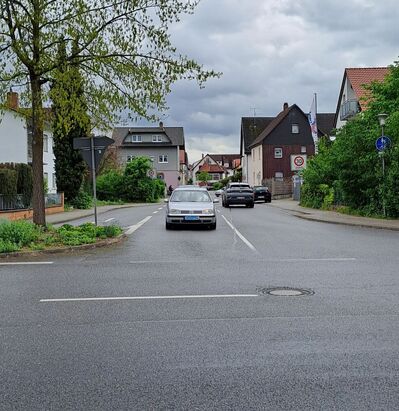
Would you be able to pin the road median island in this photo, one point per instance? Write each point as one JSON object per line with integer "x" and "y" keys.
{"x": 22, "y": 238}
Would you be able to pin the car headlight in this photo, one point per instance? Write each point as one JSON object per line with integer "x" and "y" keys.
{"x": 174, "y": 211}
{"x": 208, "y": 211}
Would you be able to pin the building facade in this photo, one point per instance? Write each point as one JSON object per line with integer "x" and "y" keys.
{"x": 164, "y": 146}
{"x": 16, "y": 140}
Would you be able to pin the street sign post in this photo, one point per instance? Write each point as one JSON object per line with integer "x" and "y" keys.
{"x": 382, "y": 143}
{"x": 92, "y": 150}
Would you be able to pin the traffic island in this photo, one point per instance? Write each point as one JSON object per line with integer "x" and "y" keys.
{"x": 22, "y": 238}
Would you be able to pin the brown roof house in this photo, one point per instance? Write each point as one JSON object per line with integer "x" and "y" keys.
{"x": 164, "y": 146}
{"x": 353, "y": 96}
{"x": 267, "y": 143}
{"x": 282, "y": 148}
{"x": 219, "y": 166}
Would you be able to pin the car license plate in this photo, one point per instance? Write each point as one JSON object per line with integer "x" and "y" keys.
{"x": 240, "y": 198}
{"x": 261, "y": 196}
{"x": 191, "y": 218}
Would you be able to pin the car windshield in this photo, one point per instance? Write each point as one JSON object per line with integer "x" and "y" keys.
{"x": 260, "y": 188}
{"x": 190, "y": 196}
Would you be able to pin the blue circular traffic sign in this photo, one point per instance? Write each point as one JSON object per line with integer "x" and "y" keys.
{"x": 382, "y": 143}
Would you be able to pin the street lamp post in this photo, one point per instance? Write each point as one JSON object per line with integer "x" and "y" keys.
{"x": 381, "y": 118}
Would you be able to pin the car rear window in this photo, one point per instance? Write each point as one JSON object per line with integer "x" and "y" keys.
{"x": 240, "y": 187}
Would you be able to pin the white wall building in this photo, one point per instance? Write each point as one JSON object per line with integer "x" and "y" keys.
{"x": 16, "y": 141}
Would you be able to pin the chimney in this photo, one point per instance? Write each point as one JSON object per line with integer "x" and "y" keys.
{"x": 285, "y": 106}
{"x": 12, "y": 100}
{"x": 161, "y": 125}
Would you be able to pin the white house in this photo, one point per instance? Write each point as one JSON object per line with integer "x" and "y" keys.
{"x": 353, "y": 95}
{"x": 16, "y": 140}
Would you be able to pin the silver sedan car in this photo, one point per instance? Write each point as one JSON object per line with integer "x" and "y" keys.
{"x": 190, "y": 205}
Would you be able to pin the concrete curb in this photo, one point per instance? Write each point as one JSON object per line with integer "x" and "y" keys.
{"x": 341, "y": 219}
{"x": 101, "y": 243}
{"x": 349, "y": 223}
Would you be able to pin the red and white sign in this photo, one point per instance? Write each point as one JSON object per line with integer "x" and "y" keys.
{"x": 298, "y": 162}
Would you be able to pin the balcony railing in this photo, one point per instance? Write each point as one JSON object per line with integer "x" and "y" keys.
{"x": 349, "y": 109}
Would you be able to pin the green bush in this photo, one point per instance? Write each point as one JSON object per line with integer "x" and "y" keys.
{"x": 25, "y": 182}
{"x": 110, "y": 186}
{"x": 217, "y": 186}
{"x": 82, "y": 201}
{"x": 8, "y": 181}
{"x": 7, "y": 246}
{"x": 20, "y": 232}
{"x": 112, "y": 230}
{"x": 86, "y": 233}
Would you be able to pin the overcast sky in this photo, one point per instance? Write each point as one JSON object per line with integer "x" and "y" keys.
{"x": 271, "y": 52}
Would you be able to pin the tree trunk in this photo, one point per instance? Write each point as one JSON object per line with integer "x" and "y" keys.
{"x": 39, "y": 215}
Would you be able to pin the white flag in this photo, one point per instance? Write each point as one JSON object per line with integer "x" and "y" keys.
{"x": 313, "y": 123}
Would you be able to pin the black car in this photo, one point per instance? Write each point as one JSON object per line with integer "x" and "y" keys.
{"x": 238, "y": 194}
{"x": 262, "y": 193}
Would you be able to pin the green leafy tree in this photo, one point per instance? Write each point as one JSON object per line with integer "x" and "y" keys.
{"x": 203, "y": 176}
{"x": 352, "y": 167}
{"x": 123, "y": 50}
{"x": 138, "y": 186}
{"x": 70, "y": 120}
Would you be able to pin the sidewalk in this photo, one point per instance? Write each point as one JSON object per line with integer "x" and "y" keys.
{"x": 66, "y": 216}
{"x": 333, "y": 217}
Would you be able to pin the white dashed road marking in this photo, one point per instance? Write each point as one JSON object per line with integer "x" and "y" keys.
{"x": 29, "y": 263}
{"x": 109, "y": 219}
{"x": 248, "y": 243}
{"x": 135, "y": 227}
{"x": 153, "y": 297}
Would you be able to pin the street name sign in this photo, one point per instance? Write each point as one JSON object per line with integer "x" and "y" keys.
{"x": 97, "y": 143}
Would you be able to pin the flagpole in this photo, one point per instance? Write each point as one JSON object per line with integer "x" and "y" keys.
{"x": 316, "y": 147}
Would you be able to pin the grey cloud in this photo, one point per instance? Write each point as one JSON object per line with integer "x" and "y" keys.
{"x": 272, "y": 51}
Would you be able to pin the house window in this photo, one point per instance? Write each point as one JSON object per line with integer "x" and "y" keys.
{"x": 130, "y": 158}
{"x": 133, "y": 138}
{"x": 45, "y": 143}
{"x": 215, "y": 176}
{"x": 157, "y": 139}
{"x": 163, "y": 158}
{"x": 54, "y": 181}
{"x": 303, "y": 149}
{"x": 30, "y": 139}
{"x": 45, "y": 180}
{"x": 278, "y": 175}
{"x": 294, "y": 128}
{"x": 259, "y": 153}
{"x": 278, "y": 152}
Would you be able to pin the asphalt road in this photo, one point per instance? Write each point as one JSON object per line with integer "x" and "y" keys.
{"x": 177, "y": 319}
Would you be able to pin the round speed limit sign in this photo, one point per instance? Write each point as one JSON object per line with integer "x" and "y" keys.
{"x": 298, "y": 161}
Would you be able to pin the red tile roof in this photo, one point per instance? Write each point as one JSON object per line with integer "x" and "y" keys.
{"x": 360, "y": 76}
{"x": 211, "y": 168}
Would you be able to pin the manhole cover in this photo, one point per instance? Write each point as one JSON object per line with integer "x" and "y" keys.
{"x": 285, "y": 291}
